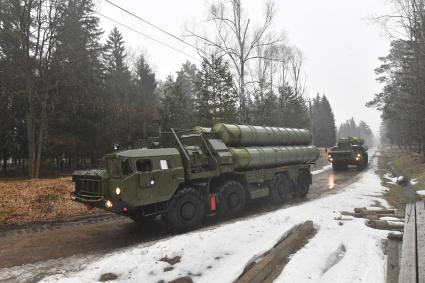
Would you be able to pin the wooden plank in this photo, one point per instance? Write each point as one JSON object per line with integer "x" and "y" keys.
{"x": 408, "y": 252}
{"x": 420, "y": 239}
{"x": 392, "y": 261}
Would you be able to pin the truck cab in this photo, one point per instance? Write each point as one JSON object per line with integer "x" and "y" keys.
{"x": 132, "y": 179}
{"x": 348, "y": 151}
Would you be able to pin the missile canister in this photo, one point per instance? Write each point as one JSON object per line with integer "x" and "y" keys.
{"x": 245, "y": 135}
{"x": 259, "y": 157}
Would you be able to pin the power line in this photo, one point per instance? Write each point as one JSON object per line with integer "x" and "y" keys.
{"x": 147, "y": 36}
{"x": 151, "y": 24}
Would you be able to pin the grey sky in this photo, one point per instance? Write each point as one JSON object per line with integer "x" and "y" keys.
{"x": 340, "y": 45}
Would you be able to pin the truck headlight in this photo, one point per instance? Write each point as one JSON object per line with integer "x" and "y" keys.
{"x": 108, "y": 204}
{"x": 359, "y": 155}
{"x": 117, "y": 191}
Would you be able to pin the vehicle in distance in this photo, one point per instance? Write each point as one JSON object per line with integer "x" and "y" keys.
{"x": 348, "y": 151}
{"x": 190, "y": 174}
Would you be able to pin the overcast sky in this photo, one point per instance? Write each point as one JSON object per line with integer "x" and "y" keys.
{"x": 339, "y": 42}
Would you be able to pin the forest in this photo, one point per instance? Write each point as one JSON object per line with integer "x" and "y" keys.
{"x": 69, "y": 90}
{"x": 402, "y": 75}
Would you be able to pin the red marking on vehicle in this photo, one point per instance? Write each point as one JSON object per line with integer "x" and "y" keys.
{"x": 89, "y": 207}
{"x": 212, "y": 203}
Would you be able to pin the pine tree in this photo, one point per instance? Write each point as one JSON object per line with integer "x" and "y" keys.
{"x": 145, "y": 100}
{"x": 81, "y": 103}
{"x": 215, "y": 98}
{"x": 178, "y": 105}
{"x": 324, "y": 129}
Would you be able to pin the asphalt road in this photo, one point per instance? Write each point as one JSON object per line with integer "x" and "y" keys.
{"x": 99, "y": 237}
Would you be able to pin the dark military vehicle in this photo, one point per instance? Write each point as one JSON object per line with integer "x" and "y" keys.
{"x": 348, "y": 151}
{"x": 205, "y": 171}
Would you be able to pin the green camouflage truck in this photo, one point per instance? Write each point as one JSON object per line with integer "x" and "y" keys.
{"x": 189, "y": 174}
{"x": 348, "y": 151}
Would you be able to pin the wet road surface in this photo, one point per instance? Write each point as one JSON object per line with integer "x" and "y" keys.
{"x": 119, "y": 232}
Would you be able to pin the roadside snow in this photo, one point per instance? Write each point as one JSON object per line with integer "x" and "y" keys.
{"x": 421, "y": 193}
{"x": 324, "y": 168}
{"x": 413, "y": 182}
{"x": 345, "y": 252}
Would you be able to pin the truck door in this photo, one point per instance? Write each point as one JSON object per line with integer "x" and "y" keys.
{"x": 168, "y": 176}
{"x": 147, "y": 179}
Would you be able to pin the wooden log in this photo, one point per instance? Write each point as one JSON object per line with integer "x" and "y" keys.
{"x": 293, "y": 242}
{"x": 395, "y": 237}
{"x": 385, "y": 225}
{"x": 420, "y": 239}
{"x": 380, "y": 211}
{"x": 408, "y": 252}
{"x": 365, "y": 215}
{"x": 392, "y": 261}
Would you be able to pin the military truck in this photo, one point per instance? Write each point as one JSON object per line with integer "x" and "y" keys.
{"x": 189, "y": 174}
{"x": 348, "y": 151}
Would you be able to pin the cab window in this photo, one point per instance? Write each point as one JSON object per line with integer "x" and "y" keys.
{"x": 144, "y": 165}
{"x": 165, "y": 164}
{"x": 127, "y": 167}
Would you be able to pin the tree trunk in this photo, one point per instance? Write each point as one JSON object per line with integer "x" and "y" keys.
{"x": 30, "y": 143}
{"x": 4, "y": 165}
{"x": 40, "y": 136}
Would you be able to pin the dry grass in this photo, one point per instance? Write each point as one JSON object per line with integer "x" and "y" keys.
{"x": 23, "y": 201}
{"x": 411, "y": 163}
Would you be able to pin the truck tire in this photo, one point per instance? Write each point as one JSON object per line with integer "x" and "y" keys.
{"x": 232, "y": 198}
{"x": 186, "y": 210}
{"x": 282, "y": 189}
{"x": 303, "y": 184}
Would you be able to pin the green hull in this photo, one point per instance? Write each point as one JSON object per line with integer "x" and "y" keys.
{"x": 260, "y": 157}
{"x": 245, "y": 135}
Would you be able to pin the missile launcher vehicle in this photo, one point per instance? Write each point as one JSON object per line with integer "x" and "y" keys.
{"x": 201, "y": 172}
{"x": 349, "y": 151}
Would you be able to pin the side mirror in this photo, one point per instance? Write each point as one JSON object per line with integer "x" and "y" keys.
{"x": 326, "y": 149}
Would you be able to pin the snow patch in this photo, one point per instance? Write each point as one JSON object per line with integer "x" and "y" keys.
{"x": 421, "y": 193}
{"x": 337, "y": 253}
{"x": 413, "y": 182}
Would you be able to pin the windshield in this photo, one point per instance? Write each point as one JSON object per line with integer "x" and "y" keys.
{"x": 114, "y": 168}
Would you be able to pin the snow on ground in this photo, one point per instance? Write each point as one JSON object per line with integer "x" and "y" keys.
{"x": 341, "y": 251}
{"x": 421, "y": 193}
{"x": 324, "y": 168}
{"x": 392, "y": 180}
{"x": 413, "y": 182}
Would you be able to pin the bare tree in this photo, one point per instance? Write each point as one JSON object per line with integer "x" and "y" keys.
{"x": 238, "y": 40}
{"x": 296, "y": 62}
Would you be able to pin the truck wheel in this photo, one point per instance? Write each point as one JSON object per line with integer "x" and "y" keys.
{"x": 303, "y": 184}
{"x": 281, "y": 190}
{"x": 186, "y": 210}
{"x": 231, "y": 198}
